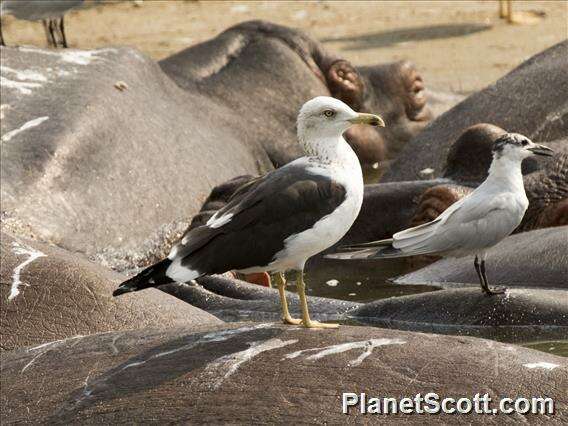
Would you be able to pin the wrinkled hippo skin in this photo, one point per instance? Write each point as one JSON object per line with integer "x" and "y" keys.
{"x": 514, "y": 103}
{"x": 265, "y": 373}
{"x": 61, "y": 295}
{"x": 264, "y": 72}
{"x": 518, "y": 314}
{"x": 537, "y": 259}
{"x": 236, "y": 300}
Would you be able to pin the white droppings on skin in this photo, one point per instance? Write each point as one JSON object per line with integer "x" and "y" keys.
{"x": 27, "y": 125}
{"x": 358, "y": 283}
{"x": 113, "y": 344}
{"x": 368, "y": 345}
{"x": 352, "y": 294}
{"x": 24, "y": 88}
{"x": 231, "y": 363}
{"x": 375, "y": 166}
{"x": 79, "y": 57}
{"x": 26, "y": 75}
{"x": 20, "y": 249}
{"x": 48, "y": 346}
{"x": 133, "y": 364}
{"x": 332, "y": 283}
{"x": 55, "y": 342}
{"x": 542, "y": 364}
{"x": 32, "y": 361}
{"x": 3, "y": 108}
{"x": 216, "y": 336}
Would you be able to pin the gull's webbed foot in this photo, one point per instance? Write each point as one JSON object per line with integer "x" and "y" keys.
{"x": 316, "y": 324}
{"x": 291, "y": 321}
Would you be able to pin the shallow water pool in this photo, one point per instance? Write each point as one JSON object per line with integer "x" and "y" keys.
{"x": 368, "y": 281}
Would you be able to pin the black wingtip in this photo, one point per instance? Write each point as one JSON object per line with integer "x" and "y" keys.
{"x": 123, "y": 289}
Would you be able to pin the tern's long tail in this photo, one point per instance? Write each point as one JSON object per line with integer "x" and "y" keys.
{"x": 371, "y": 250}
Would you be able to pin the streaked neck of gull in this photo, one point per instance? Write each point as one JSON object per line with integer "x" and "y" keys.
{"x": 325, "y": 143}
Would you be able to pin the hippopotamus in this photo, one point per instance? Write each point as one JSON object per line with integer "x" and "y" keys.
{"x": 110, "y": 137}
{"x": 265, "y": 373}
{"x": 257, "y": 66}
{"x": 529, "y": 100}
{"x": 47, "y": 294}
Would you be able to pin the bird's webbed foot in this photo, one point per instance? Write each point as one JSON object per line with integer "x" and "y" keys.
{"x": 316, "y": 324}
{"x": 493, "y": 291}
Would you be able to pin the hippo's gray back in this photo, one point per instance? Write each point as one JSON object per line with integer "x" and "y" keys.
{"x": 104, "y": 137}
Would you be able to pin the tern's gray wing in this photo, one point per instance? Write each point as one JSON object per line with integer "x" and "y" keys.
{"x": 472, "y": 223}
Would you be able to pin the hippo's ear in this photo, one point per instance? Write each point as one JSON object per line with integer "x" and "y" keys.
{"x": 345, "y": 83}
{"x": 414, "y": 86}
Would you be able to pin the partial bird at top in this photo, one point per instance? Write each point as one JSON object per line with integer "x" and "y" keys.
{"x": 50, "y": 12}
{"x": 277, "y": 222}
{"x": 473, "y": 224}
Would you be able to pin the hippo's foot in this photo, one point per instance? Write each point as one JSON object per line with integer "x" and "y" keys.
{"x": 316, "y": 324}
{"x": 495, "y": 290}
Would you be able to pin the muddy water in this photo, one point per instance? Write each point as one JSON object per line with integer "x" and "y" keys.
{"x": 368, "y": 281}
{"x": 360, "y": 281}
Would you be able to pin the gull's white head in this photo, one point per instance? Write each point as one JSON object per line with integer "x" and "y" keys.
{"x": 328, "y": 118}
{"x": 513, "y": 146}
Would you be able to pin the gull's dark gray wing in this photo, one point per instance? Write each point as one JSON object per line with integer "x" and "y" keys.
{"x": 252, "y": 227}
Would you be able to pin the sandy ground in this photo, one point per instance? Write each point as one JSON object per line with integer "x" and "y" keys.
{"x": 459, "y": 46}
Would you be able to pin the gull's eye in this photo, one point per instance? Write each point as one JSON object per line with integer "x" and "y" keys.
{"x": 525, "y": 142}
{"x": 329, "y": 113}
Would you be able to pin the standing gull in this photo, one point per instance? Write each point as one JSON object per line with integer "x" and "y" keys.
{"x": 471, "y": 225}
{"x": 278, "y": 221}
{"x": 50, "y": 12}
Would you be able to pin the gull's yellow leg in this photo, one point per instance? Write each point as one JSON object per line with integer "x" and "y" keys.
{"x": 306, "y": 321}
{"x": 286, "y": 318}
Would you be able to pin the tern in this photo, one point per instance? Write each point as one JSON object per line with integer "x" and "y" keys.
{"x": 278, "y": 221}
{"x": 473, "y": 224}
